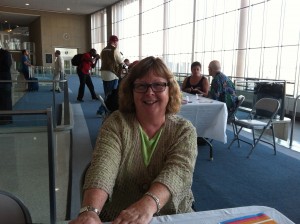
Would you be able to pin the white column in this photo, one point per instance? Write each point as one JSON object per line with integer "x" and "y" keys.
{"x": 242, "y": 38}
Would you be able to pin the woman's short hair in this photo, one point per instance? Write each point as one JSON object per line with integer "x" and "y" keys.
{"x": 196, "y": 63}
{"x": 141, "y": 69}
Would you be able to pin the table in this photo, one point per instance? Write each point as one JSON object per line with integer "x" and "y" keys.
{"x": 207, "y": 115}
{"x": 216, "y": 216}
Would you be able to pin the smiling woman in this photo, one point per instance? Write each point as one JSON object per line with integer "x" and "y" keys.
{"x": 144, "y": 157}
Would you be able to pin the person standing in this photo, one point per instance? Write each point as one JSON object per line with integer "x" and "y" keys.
{"x": 5, "y": 87}
{"x": 26, "y": 64}
{"x": 222, "y": 88}
{"x": 58, "y": 70}
{"x": 88, "y": 61}
{"x": 196, "y": 83}
{"x": 111, "y": 68}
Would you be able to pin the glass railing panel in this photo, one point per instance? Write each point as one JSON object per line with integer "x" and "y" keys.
{"x": 24, "y": 171}
{"x": 34, "y": 166}
{"x": 41, "y": 99}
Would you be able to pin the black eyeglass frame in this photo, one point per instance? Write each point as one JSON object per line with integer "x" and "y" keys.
{"x": 153, "y": 86}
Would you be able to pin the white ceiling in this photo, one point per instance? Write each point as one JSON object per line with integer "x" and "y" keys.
{"x": 81, "y": 7}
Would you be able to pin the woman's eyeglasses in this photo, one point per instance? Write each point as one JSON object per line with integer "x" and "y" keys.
{"x": 156, "y": 87}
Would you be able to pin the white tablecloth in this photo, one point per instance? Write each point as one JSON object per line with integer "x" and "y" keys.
{"x": 207, "y": 115}
{"x": 216, "y": 216}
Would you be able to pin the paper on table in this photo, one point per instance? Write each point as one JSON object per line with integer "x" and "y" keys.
{"x": 204, "y": 100}
{"x": 251, "y": 219}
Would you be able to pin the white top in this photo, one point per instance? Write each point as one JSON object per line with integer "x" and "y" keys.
{"x": 58, "y": 65}
{"x": 108, "y": 76}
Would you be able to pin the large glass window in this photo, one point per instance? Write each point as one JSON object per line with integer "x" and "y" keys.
{"x": 98, "y": 30}
{"x": 125, "y": 24}
{"x": 152, "y": 29}
{"x": 251, "y": 38}
{"x": 179, "y": 29}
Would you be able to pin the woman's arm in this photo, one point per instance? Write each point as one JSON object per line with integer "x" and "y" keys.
{"x": 95, "y": 198}
{"x": 204, "y": 88}
{"x": 143, "y": 210}
{"x": 177, "y": 173}
{"x": 183, "y": 87}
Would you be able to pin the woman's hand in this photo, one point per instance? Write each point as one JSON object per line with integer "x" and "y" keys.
{"x": 188, "y": 90}
{"x": 140, "y": 212}
{"x": 87, "y": 218}
{"x": 195, "y": 90}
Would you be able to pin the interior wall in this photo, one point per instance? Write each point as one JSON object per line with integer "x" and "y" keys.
{"x": 35, "y": 37}
{"x": 53, "y": 30}
{"x": 64, "y": 31}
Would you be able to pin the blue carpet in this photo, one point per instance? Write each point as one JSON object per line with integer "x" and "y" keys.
{"x": 231, "y": 180}
{"x": 89, "y": 106}
{"x": 37, "y": 100}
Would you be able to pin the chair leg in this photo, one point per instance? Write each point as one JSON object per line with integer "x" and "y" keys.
{"x": 235, "y": 136}
{"x": 274, "y": 143}
{"x": 253, "y": 137}
{"x": 259, "y": 139}
{"x": 255, "y": 140}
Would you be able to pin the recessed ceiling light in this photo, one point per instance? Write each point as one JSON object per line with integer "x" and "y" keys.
{"x": 68, "y": 9}
{"x": 27, "y": 4}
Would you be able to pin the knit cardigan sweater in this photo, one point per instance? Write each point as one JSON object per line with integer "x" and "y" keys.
{"x": 118, "y": 168}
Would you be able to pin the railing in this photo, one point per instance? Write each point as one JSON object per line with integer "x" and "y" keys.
{"x": 262, "y": 88}
{"x": 293, "y": 120}
{"x": 19, "y": 92}
{"x": 248, "y": 84}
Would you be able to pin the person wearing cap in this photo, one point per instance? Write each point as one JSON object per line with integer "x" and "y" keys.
{"x": 111, "y": 68}
{"x": 58, "y": 70}
{"x": 88, "y": 61}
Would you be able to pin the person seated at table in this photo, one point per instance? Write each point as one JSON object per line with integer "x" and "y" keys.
{"x": 131, "y": 65}
{"x": 145, "y": 154}
{"x": 196, "y": 83}
{"x": 125, "y": 65}
{"x": 222, "y": 88}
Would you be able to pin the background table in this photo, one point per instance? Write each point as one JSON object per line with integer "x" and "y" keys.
{"x": 207, "y": 115}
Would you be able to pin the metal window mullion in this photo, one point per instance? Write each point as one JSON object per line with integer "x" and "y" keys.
{"x": 280, "y": 40}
